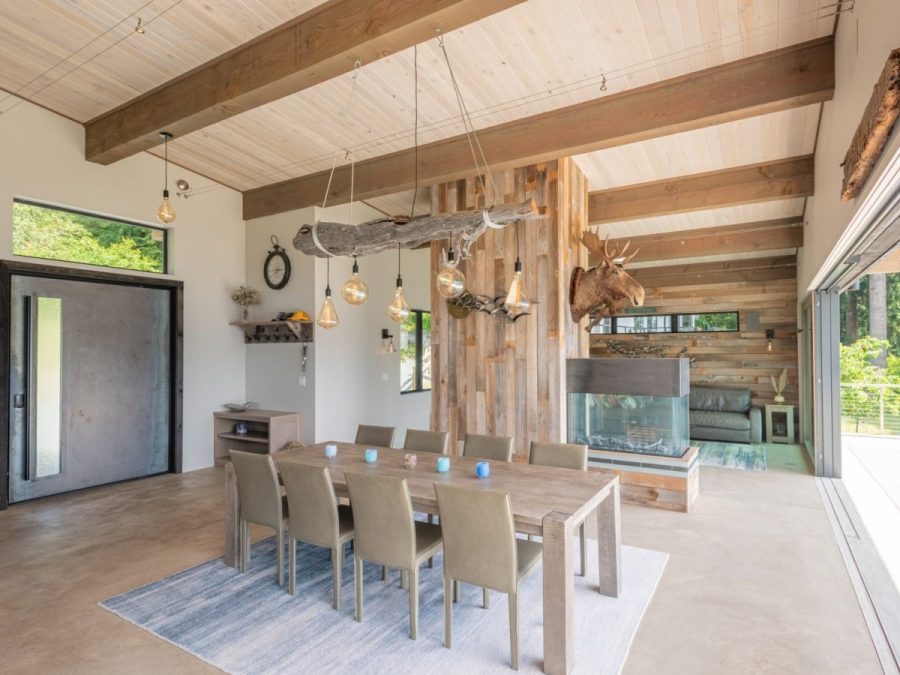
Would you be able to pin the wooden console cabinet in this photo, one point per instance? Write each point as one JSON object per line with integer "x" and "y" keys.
{"x": 269, "y": 431}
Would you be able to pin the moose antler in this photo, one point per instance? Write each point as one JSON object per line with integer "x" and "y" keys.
{"x": 593, "y": 243}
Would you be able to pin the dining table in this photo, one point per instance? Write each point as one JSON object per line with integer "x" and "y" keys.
{"x": 549, "y": 502}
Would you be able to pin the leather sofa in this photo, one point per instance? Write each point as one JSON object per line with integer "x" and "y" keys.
{"x": 722, "y": 414}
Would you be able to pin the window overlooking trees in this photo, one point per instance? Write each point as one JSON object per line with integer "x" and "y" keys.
{"x": 707, "y": 322}
{"x": 52, "y": 233}
{"x": 415, "y": 352}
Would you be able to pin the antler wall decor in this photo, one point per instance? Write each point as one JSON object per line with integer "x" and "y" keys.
{"x": 466, "y": 303}
{"x": 603, "y": 289}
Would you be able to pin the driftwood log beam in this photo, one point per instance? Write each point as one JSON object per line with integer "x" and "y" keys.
{"x": 874, "y": 128}
{"x": 341, "y": 239}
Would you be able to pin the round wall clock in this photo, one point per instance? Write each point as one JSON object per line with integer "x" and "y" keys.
{"x": 277, "y": 268}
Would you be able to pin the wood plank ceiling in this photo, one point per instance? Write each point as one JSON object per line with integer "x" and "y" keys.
{"x": 534, "y": 57}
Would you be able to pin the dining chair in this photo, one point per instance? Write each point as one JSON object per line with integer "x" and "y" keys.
{"x": 367, "y": 434}
{"x": 317, "y": 519}
{"x": 418, "y": 440}
{"x": 565, "y": 456}
{"x": 496, "y": 448}
{"x": 261, "y": 503}
{"x": 387, "y": 534}
{"x": 481, "y": 548}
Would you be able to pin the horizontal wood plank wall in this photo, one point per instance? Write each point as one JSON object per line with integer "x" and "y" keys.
{"x": 735, "y": 359}
{"x": 491, "y": 376}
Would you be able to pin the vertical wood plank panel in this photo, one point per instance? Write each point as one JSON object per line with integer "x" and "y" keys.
{"x": 502, "y": 378}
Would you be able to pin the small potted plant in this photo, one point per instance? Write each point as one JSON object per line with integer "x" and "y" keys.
{"x": 245, "y": 296}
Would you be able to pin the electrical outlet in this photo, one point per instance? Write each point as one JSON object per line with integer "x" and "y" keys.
{"x": 301, "y": 381}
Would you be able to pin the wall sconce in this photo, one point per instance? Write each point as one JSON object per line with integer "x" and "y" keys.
{"x": 387, "y": 342}
{"x": 770, "y": 335}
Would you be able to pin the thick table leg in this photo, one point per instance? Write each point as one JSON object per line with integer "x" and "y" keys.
{"x": 232, "y": 515}
{"x": 559, "y": 591}
{"x": 609, "y": 542}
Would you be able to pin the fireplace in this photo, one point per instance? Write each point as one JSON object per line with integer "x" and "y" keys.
{"x": 633, "y": 416}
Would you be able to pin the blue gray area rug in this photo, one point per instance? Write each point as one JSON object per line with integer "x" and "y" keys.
{"x": 245, "y": 623}
{"x": 744, "y": 456}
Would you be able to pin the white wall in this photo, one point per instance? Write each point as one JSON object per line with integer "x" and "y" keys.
{"x": 344, "y": 385}
{"x": 42, "y": 158}
{"x": 273, "y": 370}
{"x": 863, "y": 41}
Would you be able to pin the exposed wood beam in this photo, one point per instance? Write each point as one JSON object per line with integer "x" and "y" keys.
{"x": 768, "y": 181}
{"x": 316, "y": 46}
{"x": 778, "y": 80}
{"x": 763, "y": 235}
{"x": 729, "y": 271}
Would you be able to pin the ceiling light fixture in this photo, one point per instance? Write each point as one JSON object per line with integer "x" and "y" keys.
{"x": 450, "y": 282}
{"x": 139, "y": 29}
{"x": 516, "y": 300}
{"x": 355, "y": 290}
{"x": 165, "y": 213}
{"x": 328, "y": 317}
{"x": 398, "y": 310}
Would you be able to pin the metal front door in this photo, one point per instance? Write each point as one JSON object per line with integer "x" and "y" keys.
{"x": 89, "y": 384}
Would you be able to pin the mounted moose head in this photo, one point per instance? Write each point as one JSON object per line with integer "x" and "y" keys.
{"x": 606, "y": 287}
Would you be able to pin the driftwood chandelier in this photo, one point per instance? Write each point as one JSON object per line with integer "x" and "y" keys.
{"x": 462, "y": 229}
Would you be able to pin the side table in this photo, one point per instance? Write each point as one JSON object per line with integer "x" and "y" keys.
{"x": 779, "y": 423}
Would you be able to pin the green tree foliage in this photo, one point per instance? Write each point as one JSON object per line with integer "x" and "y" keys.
{"x": 862, "y": 311}
{"x": 41, "y": 232}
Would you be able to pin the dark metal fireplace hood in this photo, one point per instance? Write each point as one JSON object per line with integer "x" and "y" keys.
{"x": 637, "y": 377}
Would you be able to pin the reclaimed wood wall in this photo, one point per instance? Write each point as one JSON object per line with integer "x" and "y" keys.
{"x": 734, "y": 359}
{"x": 495, "y": 377}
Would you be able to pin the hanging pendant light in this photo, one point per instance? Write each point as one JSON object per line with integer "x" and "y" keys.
{"x": 398, "y": 310}
{"x": 450, "y": 281}
{"x": 355, "y": 290}
{"x": 516, "y": 300}
{"x": 328, "y": 317}
{"x": 165, "y": 213}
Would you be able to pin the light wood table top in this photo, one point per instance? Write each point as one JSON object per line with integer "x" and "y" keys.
{"x": 534, "y": 491}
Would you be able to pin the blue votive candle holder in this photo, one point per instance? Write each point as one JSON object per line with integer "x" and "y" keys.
{"x": 371, "y": 455}
{"x": 331, "y": 451}
{"x": 443, "y": 464}
{"x": 483, "y": 469}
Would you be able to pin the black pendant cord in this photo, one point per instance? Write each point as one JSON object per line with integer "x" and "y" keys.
{"x": 327, "y": 276}
{"x": 412, "y": 207}
{"x": 166, "y": 169}
{"x": 399, "y": 278}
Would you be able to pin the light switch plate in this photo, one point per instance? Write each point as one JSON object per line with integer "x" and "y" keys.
{"x": 384, "y": 377}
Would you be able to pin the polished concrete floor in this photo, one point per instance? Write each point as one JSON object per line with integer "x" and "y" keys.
{"x": 754, "y": 584}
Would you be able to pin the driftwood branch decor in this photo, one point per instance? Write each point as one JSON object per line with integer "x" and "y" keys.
{"x": 603, "y": 289}
{"x": 340, "y": 239}
{"x": 874, "y": 129}
{"x": 465, "y": 304}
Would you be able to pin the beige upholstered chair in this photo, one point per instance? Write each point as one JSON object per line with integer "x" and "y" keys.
{"x": 426, "y": 441}
{"x": 387, "y": 534}
{"x": 481, "y": 548}
{"x": 370, "y": 435}
{"x": 261, "y": 503}
{"x": 565, "y": 456}
{"x": 317, "y": 519}
{"x": 492, "y": 448}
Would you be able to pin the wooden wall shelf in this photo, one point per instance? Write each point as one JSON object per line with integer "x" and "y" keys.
{"x": 257, "y": 332}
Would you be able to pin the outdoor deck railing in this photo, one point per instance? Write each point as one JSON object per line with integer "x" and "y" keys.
{"x": 869, "y": 408}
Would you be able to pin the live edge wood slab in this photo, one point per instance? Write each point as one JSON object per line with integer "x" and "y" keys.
{"x": 546, "y": 501}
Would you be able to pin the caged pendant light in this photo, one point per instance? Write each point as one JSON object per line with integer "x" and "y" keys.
{"x": 355, "y": 291}
{"x": 328, "y": 317}
{"x": 165, "y": 213}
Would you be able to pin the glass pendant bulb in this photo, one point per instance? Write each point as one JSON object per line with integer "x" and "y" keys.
{"x": 516, "y": 300}
{"x": 165, "y": 213}
{"x": 355, "y": 290}
{"x": 398, "y": 310}
{"x": 328, "y": 317}
{"x": 450, "y": 281}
